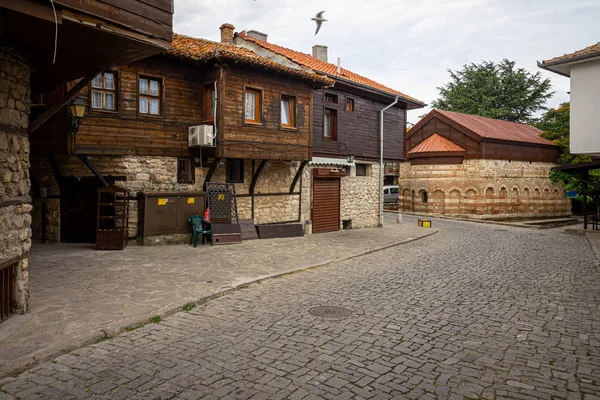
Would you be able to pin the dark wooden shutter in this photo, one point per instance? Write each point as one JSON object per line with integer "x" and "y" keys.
{"x": 326, "y": 205}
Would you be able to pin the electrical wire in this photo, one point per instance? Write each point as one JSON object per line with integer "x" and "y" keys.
{"x": 55, "y": 32}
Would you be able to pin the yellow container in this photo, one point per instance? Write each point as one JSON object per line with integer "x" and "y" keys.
{"x": 425, "y": 223}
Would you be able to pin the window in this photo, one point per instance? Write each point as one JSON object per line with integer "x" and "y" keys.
{"x": 288, "y": 111}
{"x": 253, "y": 107}
{"x": 149, "y": 98}
{"x": 235, "y": 170}
{"x": 331, "y": 98}
{"x": 330, "y": 124}
{"x": 104, "y": 91}
{"x": 424, "y": 196}
{"x": 362, "y": 169}
{"x": 349, "y": 104}
{"x": 185, "y": 170}
{"x": 209, "y": 103}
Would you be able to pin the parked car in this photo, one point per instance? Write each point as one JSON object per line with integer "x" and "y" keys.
{"x": 390, "y": 194}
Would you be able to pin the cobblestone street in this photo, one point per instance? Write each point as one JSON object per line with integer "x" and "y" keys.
{"x": 477, "y": 311}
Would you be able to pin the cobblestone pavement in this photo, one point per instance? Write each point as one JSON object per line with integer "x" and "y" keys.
{"x": 477, "y": 311}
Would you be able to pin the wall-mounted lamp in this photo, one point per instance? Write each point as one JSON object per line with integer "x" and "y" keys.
{"x": 76, "y": 112}
{"x": 294, "y": 164}
{"x": 350, "y": 158}
{"x": 220, "y": 164}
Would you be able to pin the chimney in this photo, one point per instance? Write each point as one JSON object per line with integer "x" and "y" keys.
{"x": 227, "y": 33}
{"x": 257, "y": 35}
{"x": 320, "y": 52}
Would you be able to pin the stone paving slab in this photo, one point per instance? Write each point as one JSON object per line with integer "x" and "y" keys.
{"x": 474, "y": 312}
{"x": 79, "y": 294}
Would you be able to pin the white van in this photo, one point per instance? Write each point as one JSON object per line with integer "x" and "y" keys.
{"x": 390, "y": 194}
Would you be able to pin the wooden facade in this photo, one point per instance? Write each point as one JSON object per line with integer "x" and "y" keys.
{"x": 477, "y": 147}
{"x": 358, "y": 129}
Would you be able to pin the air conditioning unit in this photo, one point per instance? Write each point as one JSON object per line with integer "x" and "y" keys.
{"x": 201, "y": 135}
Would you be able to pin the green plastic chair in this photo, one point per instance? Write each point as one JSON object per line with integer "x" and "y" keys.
{"x": 198, "y": 228}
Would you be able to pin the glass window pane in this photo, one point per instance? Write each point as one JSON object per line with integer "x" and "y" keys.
{"x": 154, "y": 88}
{"x": 96, "y": 99}
{"x": 143, "y": 86}
{"x": 143, "y": 105}
{"x": 109, "y": 102}
{"x": 326, "y": 132}
{"x": 97, "y": 81}
{"x": 251, "y": 106}
{"x": 285, "y": 117}
{"x": 109, "y": 80}
{"x": 154, "y": 109}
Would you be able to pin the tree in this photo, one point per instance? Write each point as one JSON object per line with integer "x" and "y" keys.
{"x": 555, "y": 126}
{"x": 498, "y": 91}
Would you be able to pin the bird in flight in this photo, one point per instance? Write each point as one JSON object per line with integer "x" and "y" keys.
{"x": 319, "y": 20}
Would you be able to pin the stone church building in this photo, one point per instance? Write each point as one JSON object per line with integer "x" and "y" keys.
{"x": 466, "y": 165}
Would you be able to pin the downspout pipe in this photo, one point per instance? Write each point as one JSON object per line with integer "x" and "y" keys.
{"x": 381, "y": 161}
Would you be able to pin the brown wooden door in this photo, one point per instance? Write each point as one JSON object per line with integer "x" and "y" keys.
{"x": 326, "y": 205}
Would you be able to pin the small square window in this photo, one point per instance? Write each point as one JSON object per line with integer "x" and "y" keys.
{"x": 330, "y": 124}
{"x": 349, "y": 104}
{"x": 362, "y": 169}
{"x": 288, "y": 111}
{"x": 234, "y": 170}
{"x": 104, "y": 92}
{"x": 149, "y": 96}
{"x": 331, "y": 98}
{"x": 185, "y": 170}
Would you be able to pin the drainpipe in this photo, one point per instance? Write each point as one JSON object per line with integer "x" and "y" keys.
{"x": 381, "y": 162}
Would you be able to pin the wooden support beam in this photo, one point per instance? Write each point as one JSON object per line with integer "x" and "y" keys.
{"x": 298, "y": 175}
{"x": 60, "y": 103}
{"x": 261, "y": 166}
{"x": 88, "y": 162}
{"x": 54, "y": 167}
{"x": 211, "y": 172}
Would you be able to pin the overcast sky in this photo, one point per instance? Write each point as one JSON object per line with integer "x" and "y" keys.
{"x": 409, "y": 45}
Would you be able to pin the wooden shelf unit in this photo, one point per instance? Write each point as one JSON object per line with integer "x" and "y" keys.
{"x": 112, "y": 218}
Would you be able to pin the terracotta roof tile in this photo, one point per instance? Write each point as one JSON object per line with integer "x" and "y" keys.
{"x": 590, "y": 50}
{"x": 202, "y": 50}
{"x": 436, "y": 144}
{"x": 327, "y": 68}
{"x": 496, "y": 128}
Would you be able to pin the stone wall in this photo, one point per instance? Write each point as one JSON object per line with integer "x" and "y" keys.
{"x": 486, "y": 189}
{"x": 15, "y": 218}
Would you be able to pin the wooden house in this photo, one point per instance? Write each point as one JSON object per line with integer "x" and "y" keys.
{"x": 43, "y": 44}
{"x": 345, "y": 168}
{"x": 479, "y": 167}
{"x": 253, "y": 116}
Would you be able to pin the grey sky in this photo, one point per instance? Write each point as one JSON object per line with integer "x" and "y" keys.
{"x": 409, "y": 45}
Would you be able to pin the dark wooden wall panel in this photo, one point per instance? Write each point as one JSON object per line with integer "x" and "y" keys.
{"x": 358, "y": 131}
{"x": 269, "y": 140}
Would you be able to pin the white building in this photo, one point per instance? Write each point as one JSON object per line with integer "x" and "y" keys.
{"x": 583, "y": 67}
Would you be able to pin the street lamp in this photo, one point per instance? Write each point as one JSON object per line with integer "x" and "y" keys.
{"x": 76, "y": 111}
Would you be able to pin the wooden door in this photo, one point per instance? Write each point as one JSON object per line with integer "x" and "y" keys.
{"x": 326, "y": 205}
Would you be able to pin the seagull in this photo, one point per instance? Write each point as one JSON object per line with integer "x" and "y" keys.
{"x": 319, "y": 20}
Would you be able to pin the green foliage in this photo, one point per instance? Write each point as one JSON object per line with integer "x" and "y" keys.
{"x": 155, "y": 319}
{"x": 555, "y": 124}
{"x": 104, "y": 336}
{"x": 498, "y": 91}
{"x": 189, "y": 306}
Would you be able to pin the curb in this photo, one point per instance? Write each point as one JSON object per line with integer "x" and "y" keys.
{"x": 595, "y": 249}
{"x": 479, "y": 221}
{"x": 8, "y": 375}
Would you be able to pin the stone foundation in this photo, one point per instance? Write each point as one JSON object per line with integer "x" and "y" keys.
{"x": 485, "y": 189}
{"x": 15, "y": 218}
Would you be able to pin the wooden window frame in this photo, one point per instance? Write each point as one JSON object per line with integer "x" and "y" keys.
{"x": 230, "y": 179}
{"x": 102, "y": 90}
{"x": 208, "y": 89}
{"x": 333, "y": 133}
{"x": 294, "y": 115}
{"x": 258, "y": 104}
{"x": 189, "y": 166}
{"x": 161, "y": 96}
{"x": 349, "y": 100}
{"x": 335, "y": 98}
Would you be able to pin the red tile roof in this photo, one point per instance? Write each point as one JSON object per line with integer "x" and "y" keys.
{"x": 588, "y": 51}
{"x": 189, "y": 48}
{"x": 495, "y": 128}
{"x": 436, "y": 144}
{"x": 326, "y": 68}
